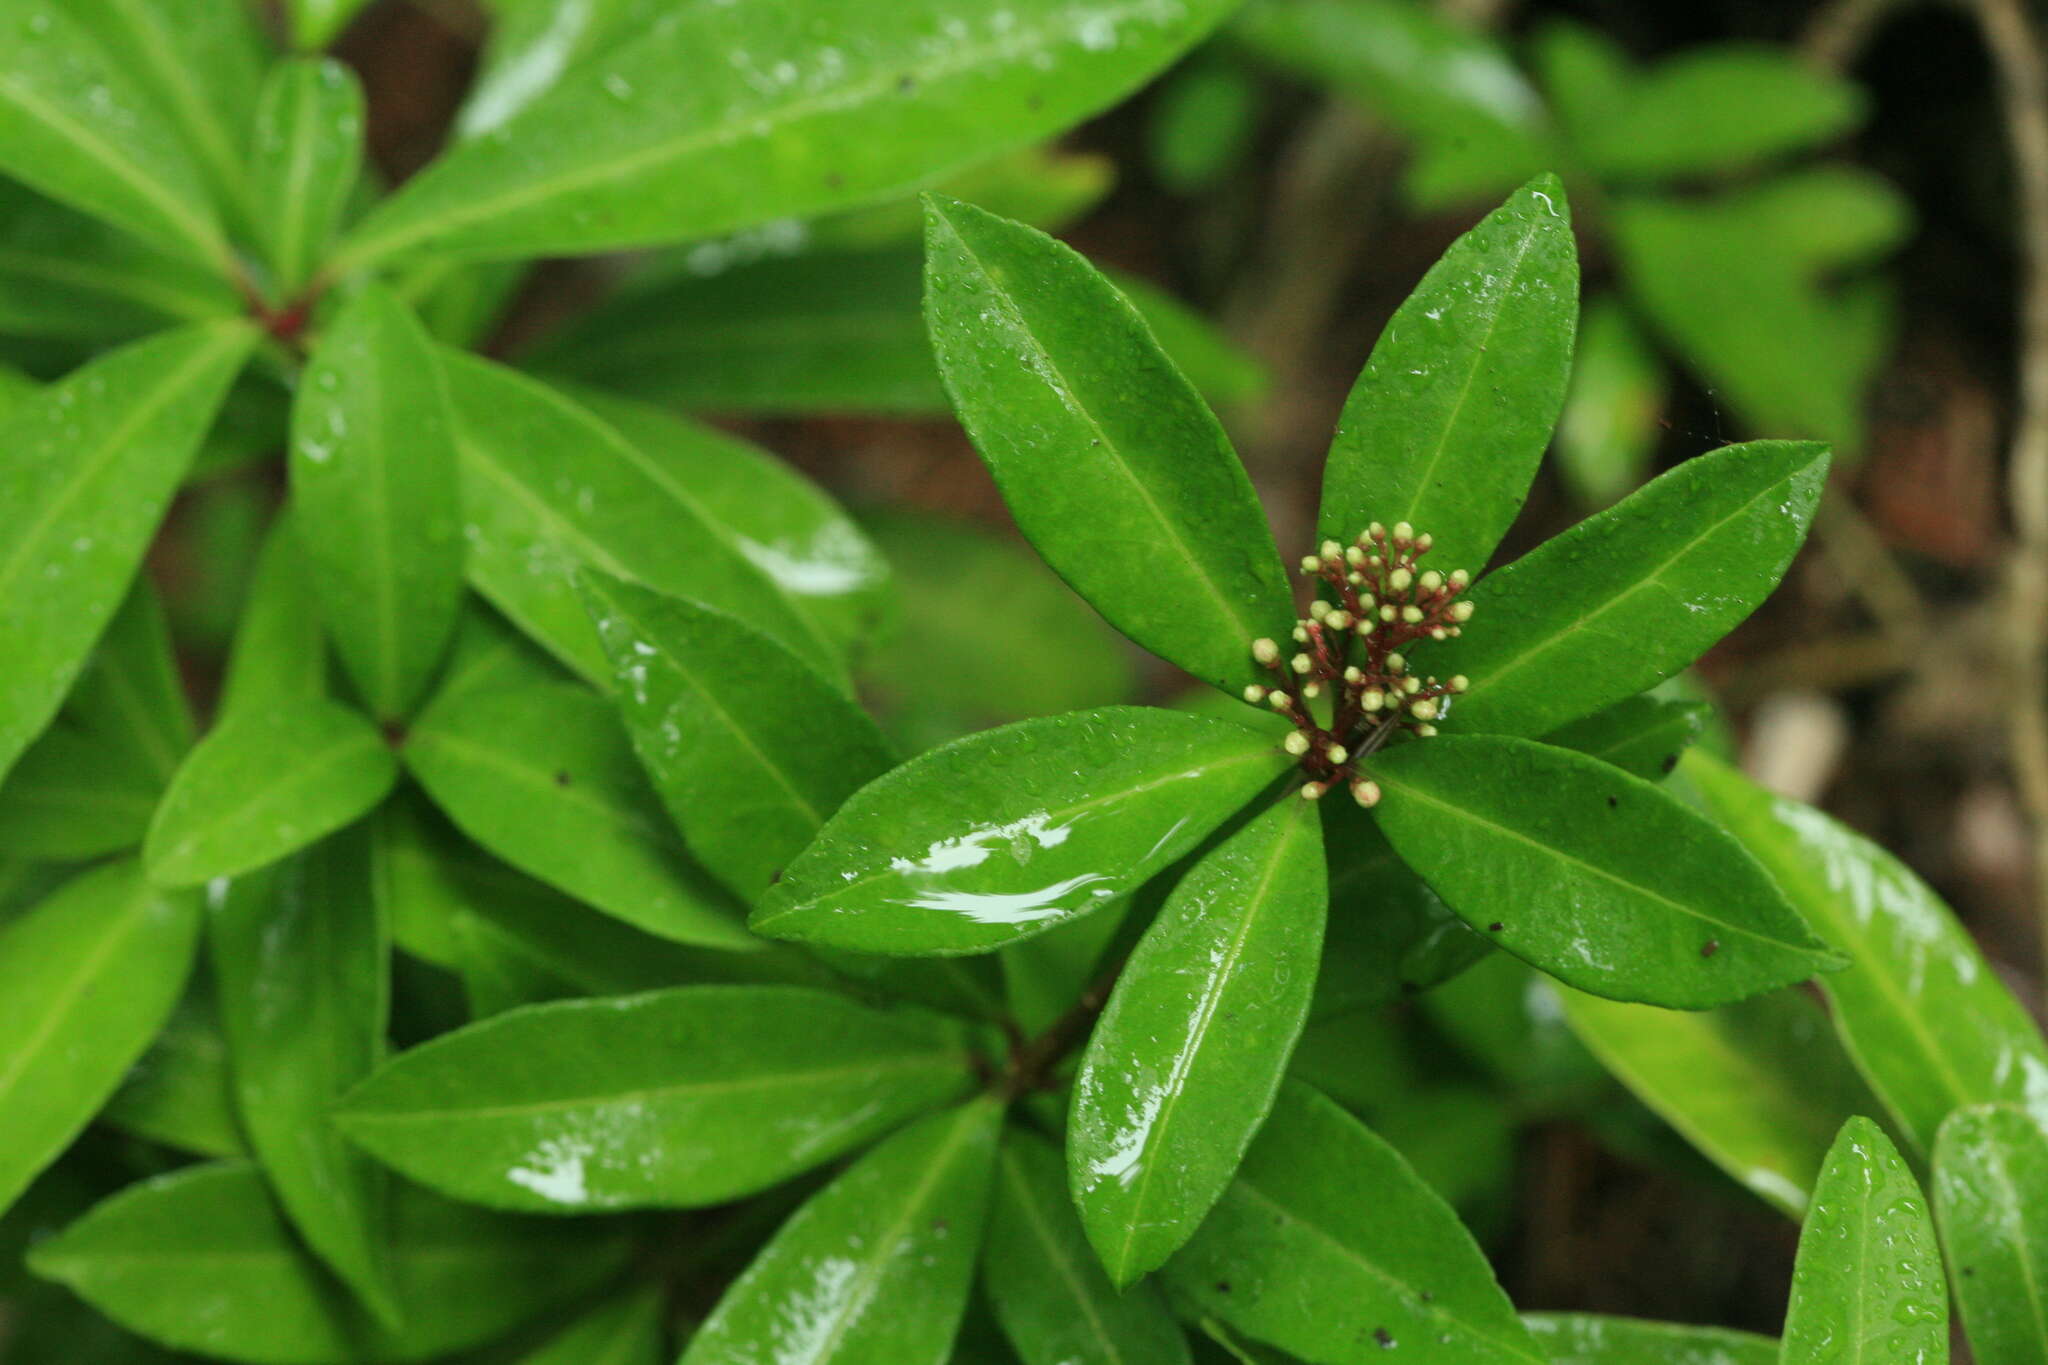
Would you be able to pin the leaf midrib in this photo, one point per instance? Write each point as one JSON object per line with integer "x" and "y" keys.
{"x": 122, "y": 927}
{"x": 624, "y": 820}
{"x": 313, "y": 768}
{"x": 1063, "y": 1265}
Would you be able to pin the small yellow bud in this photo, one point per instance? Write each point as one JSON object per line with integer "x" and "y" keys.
{"x": 1255, "y": 694}
{"x": 1411, "y": 684}
{"x": 1266, "y": 651}
{"x": 1459, "y": 578}
{"x": 1337, "y": 753}
{"x": 1424, "y": 709}
{"x": 1389, "y": 612}
{"x": 1460, "y": 611}
{"x": 1431, "y": 581}
{"x": 1397, "y": 663}
{"x": 1459, "y": 682}
{"x": 1338, "y": 620}
{"x": 1373, "y": 700}
{"x": 1301, "y": 635}
{"x": 1400, "y": 580}
{"x": 1353, "y": 675}
{"x": 1296, "y": 743}
{"x": 1279, "y": 701}
{"x": 1310, "y": 564}
{"x": 1312, "y": 690}
{"x": 1366, "y": 792}
{"x": 1330, "y": 549}
{"x": 1439, "y": 633}
{"x": 1318, "y": 609}
{"x": 1313, "y": 791}
{"x": 1403, "y": 533}
{"x": 1376, "y": 531}
{"x": 1356, "y": 580}
{"x": 1301, "y": 663}
{"x": 1425, "y": 730}
{"x": 1355, "y": 557}
{"x": 1424, "y": 543}
{"x": 1412, "y": 615}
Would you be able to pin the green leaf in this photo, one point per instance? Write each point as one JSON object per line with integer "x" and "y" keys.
{"x": 545, "y": 778}
{"x": 1184, "y": 1063}
{"x": 178, "y": 1093}
{"x": 304, "y": 960}
{"x": 531, "y": 47}
{"x": 1053, "y": 1300}
{"x": 750, "y": 749}
{"x": 1596, "y": 1339}
{"x": 1718, "y": 108}
{"x": 547, "y": 487}
{"x": 1991, "y": 1203}
{"x": 874, "y": 1268}
{"x": 1389, "y": 935}
{"x": 1015, "y": 831}
{"x": 1448, "y": 421}
{"x": 1598, "y": 878}
{"x": 130, "y": 693}
{"x": 829, "y": 107}
{"x": 279, "y": 655}
{"x": 375, "y": 501}
{"x": 675, "y": 1099}
{"x": 1631, "y": 595}
{"x": 201, "y": 1260}
{"x": 1924, "y": 1016}
{"x": 1868, "y": 1282}
{"x": 1110, "y": 462}
{"x": 91, "y": 463}
{"x": 86, "y": 979}
{"x": 77, "y": 127}
{"x": 1645, "y": 736}
{"x": 75, "y": 795}
{"x": 200, "y": 63}
{"x": 307, "y": 155}
{"x": 316, "y": 23}
{"x": 263, "y": 784}
{"x": 1613, "y": 412}
{"x": 1760, "y": 1087}
{"x": 627, "y": 1330}
{"x": 1329, "y": 1247}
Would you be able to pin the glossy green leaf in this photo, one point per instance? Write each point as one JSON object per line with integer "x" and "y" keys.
{"x": 877, "y": 1266}
{"x": 548, "y": 487}
{"x": 1925, "y": 1017}
{"x": 1720, "y": 107}
{"x": 531, "y": 47}
{"x": 201, "y": 1260}
{"x": 1504, "y": 1017}
{"x": 830, "y": 107}
{"x": 1991, "y": 1203}
{"x": 1451, "y": 415}
{"x": 307, "y": 154}
{"x": 86, "y": 979}
{"x": 1613, "y": 412}
{"x": 1868, "y": 1283}
{"x": 1646, "y": 736}
{"x": 678, "y": 1098}
{"x": 750, "y": 749}
{"x": 544, "y": 776}
{"x": 627, "y": 1330}
{"x": 376, "y": 506}
{"x": 75, "y": 795}
{"x": 1760, "y": 1087}
{"x": 490, "y": 655}
{"x": 304, "y": 961}
{"x": 1186, "y": 1058}
{"x": 92, "y": 461}
{"x": 178, "y": 1093}
{"x": 1053, "y": 1300}
{"x": 131, "y": 693}
{"x": 1389, "y": 935}
{"x": 1631, "y": 595}
{"x": 263, "y": 784}
{"x": 316, "y": 23}
{"x": 1015, "y": 831}
{"x": 79, "y": 128}
{"x": 200, "y": 63}
{"x": 1329, "y": 1247}
{"x": 1111, "y": 463}
{"x": 279, "y": 654}
{"x": 1598, "y": 878}
{"x": 1596, "y": 1339}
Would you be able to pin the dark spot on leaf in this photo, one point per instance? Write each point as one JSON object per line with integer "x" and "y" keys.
{"x": 1384, "y": 1338}
{"x": 561, "y": 778}
{"x": 1613, "y": 801}
{"x": 941, "y": 1226}
{"x": 775, "y": 876}
{"x": 1969, "y": 1270}
{"x": 1035, "y": 103}
{"x": 1710, "y": 947}
{"x": 1670, "y": 762}
{"x": 1428, "y": 1296}
{"x": 1223, "y": 1286}
{"x": 835, "y": 181}
{"x": 1495, "y": 927}
{"x": 394, "y": 733}
{"x": 905, "y": 84}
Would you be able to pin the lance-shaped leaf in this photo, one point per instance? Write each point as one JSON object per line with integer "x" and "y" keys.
{"x": 1631, "y": 595}
{"x": 1595, "y": 1339}
{"x": 1015, "y": 831}
{"x": 201, "y": 1260}
{"x": 1053, "y": 1300}
{"x": 308, "y": 152}
{"x": 678, "y": 1098}
{"x": 1447, "y": 423}
{"x": 266, "y": 783}
{"x": 1641, "y": 735}
{"x": 1184, "y": 1063}
{"x": 1927, "y": 1020}
{"x": 1110, "y": 462}
{"x": 375, "y": 500}
{"x": 75, "y": 795}
{"x": 545, "y": 778}
{"x": 1613, "y": 415}
{"x": 179, "y": 1093}
{"x": 316, "y": 23}
{"x": 875, "y": 1267}
{"x": 826, "y": 106}
{"x": 627, "y": 1330}
{"x": 1603, "y": 880}
{"x": 1720, "y": 107}
{"x": 749, "y": 748}
{"x": 1868, "y": 1283}
{"x": 304, "y": 960}
{"x": 130, "y": 693}
{"x": 279, "y": 654}
{"x": 80, "y": 129}
{"x": 1760, "y": 1087}
{"x": 1991, "y": 1204}
{"x": 548, "y": 487}
{"x": 86, "y": 979}
{"x": 531, "y": 47}
{"x": 91, "y": 462}
{"x": 1329, "y": 1247}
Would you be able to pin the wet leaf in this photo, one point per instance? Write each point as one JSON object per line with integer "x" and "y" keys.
{"x": 1595, "y": 1339}
{"x": 75, "y": 795}
{"x": 674, "y": 1099}
{"x": 1389, "y": 935}
{"x": 1109, "y": 460}
{"x": 308, "y": 152}
{"x": 1991, "y": 1204}
{"x": 316, "y": 23}
{"x": 131, "y": 694}
{"x": 178, "y": 1092}
{"x": 1015, "y": 831}
{"x": 1645, "y": 736}
{"x": 1598, "y": 878}
{"x": 627, "y": 1330}
{"x": 1611, "y": 423}
{"x": 1186, "y": 1058}
{"x": 279, "y": 654}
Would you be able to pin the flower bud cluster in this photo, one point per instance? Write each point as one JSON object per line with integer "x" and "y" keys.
{"x": 1375, "y": 601}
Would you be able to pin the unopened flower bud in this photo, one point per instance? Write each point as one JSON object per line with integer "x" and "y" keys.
{"x": 1355, "y": 557}
{"x": 1279, "y": 701}
{"x": 1396, "y": 663}
{"x": 1424, "y": 543}
{"x": 1311, "y": 564}
{"x": 1376, "y": 531}
{"x": 1313, "y": 791}
{"x": 1301, "y": 635}
{"x": 1339, "y": 620}
{"x": 1318, "y": 609}
{"x": 1353, "y": 675}
{"x": 1412, "y": 615}
{"x": 1337, "y": 754}
{"x": 1424, "y": 709}
{"x": 1400, "y": 580}
{"x": 1296, "y": 743}
{"x": 1403, "y": 533}
{"x": 1366, "y": 792}
{"x": 1312, "y": 690}
{"x": 1459, "y": 578}
{"x": 1255, "y": 694}
{"x": 1439, "y": 633}
{"x": 1390, "y": 612}
{"x": 1431, "y": 581}
{"x": 1411, "y": 684}
{"x": 1330, "y": 549}
{"x": 1460, "y": 611}
{"x": 1459, "y": 682}
{"x": 1425, "y": 731}
{"x": 1301, "y": 663}
{"x": 1373, "y": 700}
{"x": 1266, "y": 651}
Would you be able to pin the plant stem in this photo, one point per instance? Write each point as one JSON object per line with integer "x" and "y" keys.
{"x": 1031, "y": 1065}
